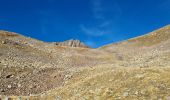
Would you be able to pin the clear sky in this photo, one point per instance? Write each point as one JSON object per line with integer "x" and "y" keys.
{"x": 95, "y": 22}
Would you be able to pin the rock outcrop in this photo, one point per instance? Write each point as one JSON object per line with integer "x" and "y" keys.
{"x": 72, "y": 43}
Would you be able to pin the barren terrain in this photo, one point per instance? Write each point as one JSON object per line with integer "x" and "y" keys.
{"x": 135, "y": 69}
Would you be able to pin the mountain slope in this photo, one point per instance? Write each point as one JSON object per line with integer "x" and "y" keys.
{"x": 25, "y": 60}
{"x": 135, "y": 69}
{"x": 150, "y": 39}
{"x": 154, "y": 37}
{"x": 154, "y": 43}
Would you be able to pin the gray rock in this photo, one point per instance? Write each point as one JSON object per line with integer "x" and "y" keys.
{"x": 9, "y": 86}
{"x": 125, "y": 94}
{"x": 3, "y": 42}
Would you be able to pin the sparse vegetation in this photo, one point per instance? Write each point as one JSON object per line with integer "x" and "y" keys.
{"x": 136, "y": 69}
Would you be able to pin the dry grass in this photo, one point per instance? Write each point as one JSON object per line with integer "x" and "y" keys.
{"x": 136, "y": 69}
{"x": 153, "y": 38}
{"x": 108, "y": 83}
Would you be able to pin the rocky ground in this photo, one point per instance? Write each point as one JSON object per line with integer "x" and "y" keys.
{"x": 136, "y": 69}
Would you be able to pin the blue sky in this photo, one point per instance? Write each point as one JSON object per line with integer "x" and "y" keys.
{"x": 95, "y": 22}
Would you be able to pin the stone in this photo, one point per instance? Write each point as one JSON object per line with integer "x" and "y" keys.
{"x": 136, "y": 93}
{"x": 2, "y": 90}
{"x": 168, "y": 98}
{"x": 58, "y": 98}
{"x": 9, "y": 76}
{"x": 9, "y": 86}
{"x": 3, "y": 42}
{"x": 125, "y": 94}
{"x": 67, "y": 77}
{"x": 19, "y": 85}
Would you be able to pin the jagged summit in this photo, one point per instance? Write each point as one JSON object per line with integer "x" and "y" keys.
{"x": 72, "y": 43}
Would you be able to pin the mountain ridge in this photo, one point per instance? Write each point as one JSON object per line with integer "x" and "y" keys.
{"x": 144, "y": 39}
{"x": 77, "y": 43}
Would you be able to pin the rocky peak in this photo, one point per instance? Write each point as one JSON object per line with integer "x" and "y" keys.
{"x": 72, "y": 43}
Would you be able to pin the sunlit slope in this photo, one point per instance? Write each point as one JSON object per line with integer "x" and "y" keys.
{"x": 29, "y": 66}
{"x": 151, "y": 39}
{"x": 136, "y": 69}
{"x": 152, "y": 48}
{"x": 108, "y": 82}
